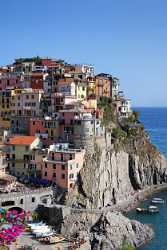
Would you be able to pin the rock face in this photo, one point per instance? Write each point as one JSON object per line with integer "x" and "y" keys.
{"x": 149, "y": 171}
{"x": 107, "y": 231}
{"x": 113, "y": 228}
{"x": 110, "y": 176}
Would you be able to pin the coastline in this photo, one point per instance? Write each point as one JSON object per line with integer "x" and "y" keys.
{"x": 137, "y": 197}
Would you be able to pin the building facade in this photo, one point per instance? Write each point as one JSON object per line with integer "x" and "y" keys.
{"x": 62, "y": 165}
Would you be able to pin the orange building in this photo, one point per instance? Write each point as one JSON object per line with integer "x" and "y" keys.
{"x": 103, "y": 85}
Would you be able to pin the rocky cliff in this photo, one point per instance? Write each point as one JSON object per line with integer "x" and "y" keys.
{"x": 112, "y": 173}
{"x": 106, "y": 231}
{"x": 116, "y": 168}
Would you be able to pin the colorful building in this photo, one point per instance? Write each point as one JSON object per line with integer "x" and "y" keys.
{"x": 91, "y": 88}
{"x": 10, "y": 80}
{"x": 60, "y": 101}
{"x": 62, "y": 165}
{"x": 81, "y": 89}
{"x": 114, "y": 88}
{"x": 21, "y": 155}
{"x": 26, "y": 102}
{"x": 88, "y": 70}
{"x": 47, "y": 129}
{"x": 66, "y": 86}
{"x": 103, "y": 85}
{"x": 5, "y": 108}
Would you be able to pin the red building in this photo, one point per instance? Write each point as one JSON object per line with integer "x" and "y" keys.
{"x": 37, "y": 80}
{"x": 103, "y": 85}
{"x": 46, "y": 128}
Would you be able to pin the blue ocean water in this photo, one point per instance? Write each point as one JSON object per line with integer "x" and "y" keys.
{"x": 155, "y": 122}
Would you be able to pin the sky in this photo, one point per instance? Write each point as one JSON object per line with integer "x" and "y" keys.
{"x": 126, "y": 38}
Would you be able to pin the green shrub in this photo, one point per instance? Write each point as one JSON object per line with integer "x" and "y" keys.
{"x": 105, "y": 103}
{"x": 127, "y": 246}
{"x": 118, "y": 133}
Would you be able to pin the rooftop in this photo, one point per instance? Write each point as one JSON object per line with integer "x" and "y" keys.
{"x": 21, "y": 140}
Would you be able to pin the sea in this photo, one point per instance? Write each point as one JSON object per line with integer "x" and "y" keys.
{"x": 155, "y": 122}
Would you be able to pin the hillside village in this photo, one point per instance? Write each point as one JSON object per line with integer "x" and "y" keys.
{"x": 50, "y": 111}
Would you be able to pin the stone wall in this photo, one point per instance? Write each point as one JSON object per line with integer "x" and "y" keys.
{"x": 28, "y": 200}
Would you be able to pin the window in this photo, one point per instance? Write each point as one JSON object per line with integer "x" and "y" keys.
{"x": 7, "y": 203}
{"x": 63, "y": 176}
{"x": 21, "y": 201}
{"x": 46, "y": 165}
{"x": 71, "y": 176}
{"x": 33, "y": 199}
{"x": 27, "y": 148}
{"x": 77, "y": 165}
{"x": 27, "y": 96}
{"x": 71, "y": 185}
{"x": 33, "y": 123}
{"x": 54, "y": 175}
{"x": 45, "y": 174}
{"x": 32, "y": 96}
{"x": 13, "y": 165}
{"x": 13, "y": 148}
{"x": 13, "y": 156}
{"x": 54, "y": 166}
{"x": 53, "y": 157}
{"x": 70, "y": 166}
{"x": 70, "y": 156}
{"x": 83, "y": 88}
{"x": 63, "y": 167}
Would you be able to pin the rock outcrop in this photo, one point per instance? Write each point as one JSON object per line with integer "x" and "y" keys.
{"x": 113, "y": 228}
{"x": 111, "y": 176}
{"x": 107, "y": 231}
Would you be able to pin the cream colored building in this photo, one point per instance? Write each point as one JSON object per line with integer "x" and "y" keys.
{"x": 23, "y": 155}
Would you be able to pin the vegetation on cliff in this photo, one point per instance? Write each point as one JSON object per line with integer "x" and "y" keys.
{"x": 106, "y": 105}
{"x": 127, "y": 246}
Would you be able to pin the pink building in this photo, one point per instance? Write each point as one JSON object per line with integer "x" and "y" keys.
{"x": 62, "y": 165}
{"x": 59, "y": 101}
{"x": 26, "y": 102}
{"x": 9, "y": 80}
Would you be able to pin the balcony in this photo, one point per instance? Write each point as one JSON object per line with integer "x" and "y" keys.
{"x": 51, "y": 160}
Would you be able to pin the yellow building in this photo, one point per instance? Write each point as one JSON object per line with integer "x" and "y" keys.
{"x": 91, "y": 90}
{"x": 22, "y": 154}
{"x": 90, "y": 103}
{"x": 81, "y": 91}
{"x": 5, "y": 108}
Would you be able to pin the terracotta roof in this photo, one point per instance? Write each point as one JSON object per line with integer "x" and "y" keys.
{"x": 22, "y": 140}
